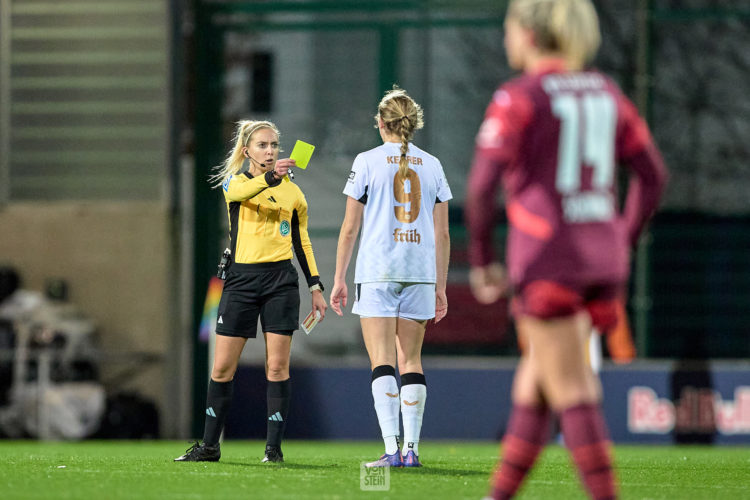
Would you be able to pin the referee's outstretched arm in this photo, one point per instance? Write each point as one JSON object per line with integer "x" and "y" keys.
{"x": 244, "y": 186}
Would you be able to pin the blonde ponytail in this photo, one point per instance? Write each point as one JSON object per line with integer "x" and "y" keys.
{"x": 401, "y": 116}
{"x": 404, "y": 133}
{"x": 234, "y": 160}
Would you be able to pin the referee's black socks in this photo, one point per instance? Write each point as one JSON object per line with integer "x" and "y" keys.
{"x": 278, "y": 395}
{"x": 218, "y": 401}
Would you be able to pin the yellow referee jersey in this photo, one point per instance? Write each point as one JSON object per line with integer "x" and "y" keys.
{"x": 267, "y": 218}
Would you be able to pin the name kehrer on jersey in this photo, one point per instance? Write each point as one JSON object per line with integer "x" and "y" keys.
{"x": 414, "y": 160}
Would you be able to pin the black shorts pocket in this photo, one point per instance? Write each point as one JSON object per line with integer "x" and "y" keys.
{"x": 281, "y": 311}
{"x": 237, "y": 318}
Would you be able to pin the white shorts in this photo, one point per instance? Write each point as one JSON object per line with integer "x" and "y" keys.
{"x": 395, "y": 300}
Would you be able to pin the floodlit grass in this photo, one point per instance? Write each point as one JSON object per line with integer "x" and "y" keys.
{"x": 331, "y": 470}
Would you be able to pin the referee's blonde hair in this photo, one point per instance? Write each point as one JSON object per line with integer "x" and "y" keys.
{"x": 401, "y": 116}
{"x": 570, "y": 27}
{"x": 233, "y": 162}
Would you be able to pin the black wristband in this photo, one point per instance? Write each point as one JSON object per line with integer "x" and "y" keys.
{"x": 315, "y": 280}
{"x": 271, "y": 179}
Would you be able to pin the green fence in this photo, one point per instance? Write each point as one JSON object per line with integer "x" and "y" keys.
{"x": 684, "y": 67}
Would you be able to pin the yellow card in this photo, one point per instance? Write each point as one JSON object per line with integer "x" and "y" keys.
{"x": 301, "y": 154}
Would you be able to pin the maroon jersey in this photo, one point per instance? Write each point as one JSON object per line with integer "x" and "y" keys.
{"x": 554, "y": 140}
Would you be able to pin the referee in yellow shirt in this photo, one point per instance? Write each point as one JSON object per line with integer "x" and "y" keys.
{"x": 267, "y": 219}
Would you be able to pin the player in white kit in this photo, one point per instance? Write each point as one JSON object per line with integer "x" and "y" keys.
{"x": 398, "y": 194}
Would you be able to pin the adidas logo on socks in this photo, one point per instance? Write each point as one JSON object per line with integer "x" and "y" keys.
{"x": 276, "y": 417}
{"x": 210, "y": 412}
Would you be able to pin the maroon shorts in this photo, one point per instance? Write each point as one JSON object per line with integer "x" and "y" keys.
{"x": 547, "y": 300}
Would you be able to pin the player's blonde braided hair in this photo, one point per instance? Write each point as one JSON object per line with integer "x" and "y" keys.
{"x": 401, "y": 116}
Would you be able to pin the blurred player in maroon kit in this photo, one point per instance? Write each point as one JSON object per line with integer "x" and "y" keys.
{"x": 553, "y": 138}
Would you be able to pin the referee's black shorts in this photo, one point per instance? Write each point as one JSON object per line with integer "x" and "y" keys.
{"x": 269, "y": 289}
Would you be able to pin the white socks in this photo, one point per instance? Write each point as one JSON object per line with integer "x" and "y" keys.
{"x": 388, "y": 402}
{"x": 385, "y": 397}
{"x": 412, "y": 408}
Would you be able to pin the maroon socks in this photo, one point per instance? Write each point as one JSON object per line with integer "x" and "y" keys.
{"x": 527, "y": 433}
{"x": 586, "y": 437}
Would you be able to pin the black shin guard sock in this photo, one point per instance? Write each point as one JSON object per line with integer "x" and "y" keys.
{"x": 413, "y": 378}
{"x": 278, "y": 395}
{"x": 383, "y": 371}
{"x": 218, "y": 401}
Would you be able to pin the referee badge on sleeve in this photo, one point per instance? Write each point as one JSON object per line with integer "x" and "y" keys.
{"x": 284, "y": 228}
{"x": 351, "y": 176}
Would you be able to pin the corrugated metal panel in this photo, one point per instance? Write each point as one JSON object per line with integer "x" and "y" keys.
{"x": 4, "y": 100}
{"x": 88, "y": 91}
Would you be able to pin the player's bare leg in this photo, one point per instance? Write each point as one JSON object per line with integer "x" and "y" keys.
{"x": 527, "y": 432}
{"x": 379, "y": 335}
{"x": 560, "y": 345}
{"x": 558, "y": 349}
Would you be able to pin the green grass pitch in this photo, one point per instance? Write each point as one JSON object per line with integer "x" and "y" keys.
{"x": 331, "y": 470}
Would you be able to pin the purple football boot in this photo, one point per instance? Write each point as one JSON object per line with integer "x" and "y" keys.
{"x": 394, "y": 460}
{"x": 411, "y": 459}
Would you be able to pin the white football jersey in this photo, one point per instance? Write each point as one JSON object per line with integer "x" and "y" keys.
{"x": 397, "y": 241}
